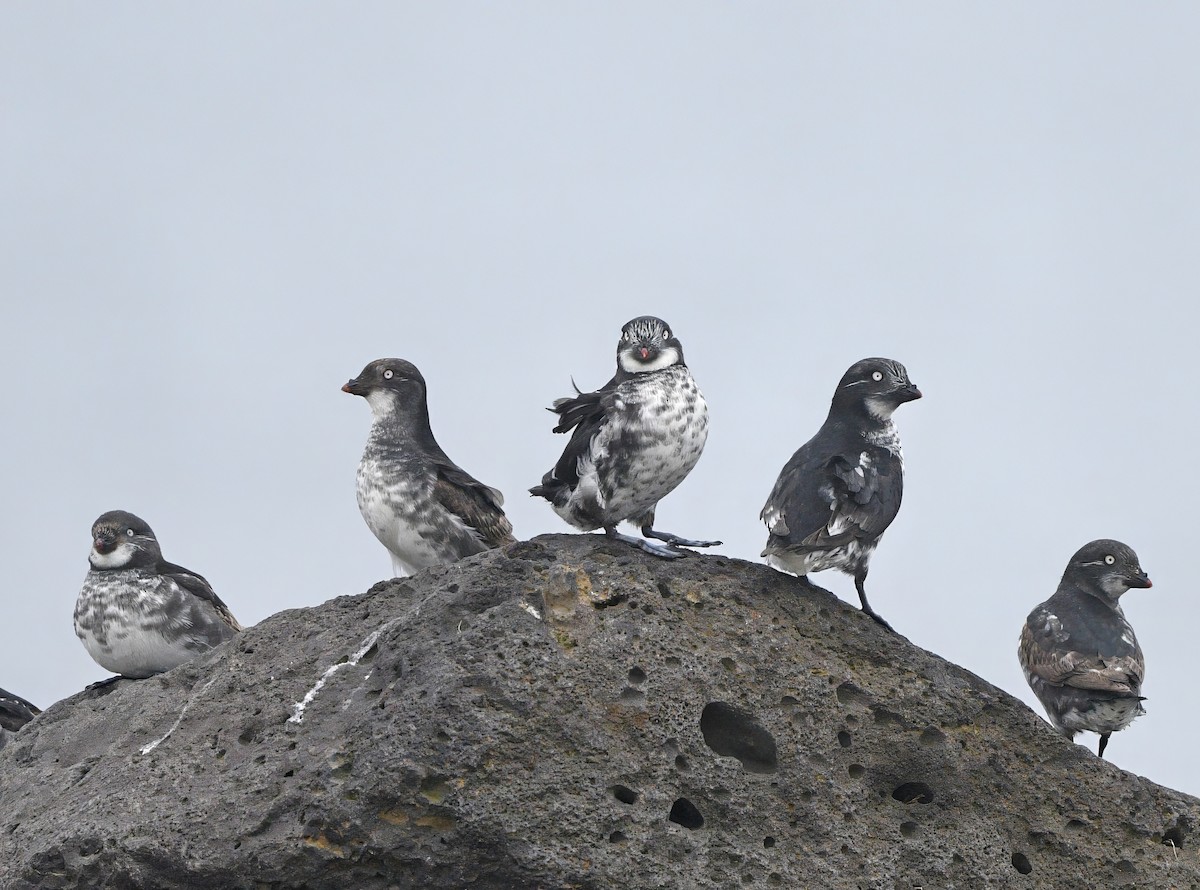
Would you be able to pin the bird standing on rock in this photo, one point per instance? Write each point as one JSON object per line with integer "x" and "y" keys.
{"x": 633, "y": 441}
{"x": 423, "y": 507}
{"x": 139, "y": 615}
{"x": 841, "y": 490}
{"x": 1079, "y": 653}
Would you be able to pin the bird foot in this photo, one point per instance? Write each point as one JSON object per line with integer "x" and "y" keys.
{"x": 642, "y": 544}
{"x": 675, "y": 539}
{"x": 103, "y": 684}
{"x": 878, "y": 619}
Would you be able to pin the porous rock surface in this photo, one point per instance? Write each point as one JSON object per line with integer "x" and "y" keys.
{"x": 571, "y": 713}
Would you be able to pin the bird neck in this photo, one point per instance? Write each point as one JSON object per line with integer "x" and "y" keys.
{"x": 393, "y": 419}
{"x": 1111, "y": 600}
{"x": 857, "y": 415}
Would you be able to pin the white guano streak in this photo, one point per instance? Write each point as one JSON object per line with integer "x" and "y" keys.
{"x": 363, "y": 649}
{"x": 146, "y": 749}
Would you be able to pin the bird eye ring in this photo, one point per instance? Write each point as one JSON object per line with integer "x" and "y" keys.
{"x": 387, "y": 375}
{"x": 666, "y": 335}
{"x": 1109, "y": 560}
{"x": 129, "y": 532}
{"x": 876, "y": 376}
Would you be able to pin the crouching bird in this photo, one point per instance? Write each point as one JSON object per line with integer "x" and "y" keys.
{"x": 139, "y": 615}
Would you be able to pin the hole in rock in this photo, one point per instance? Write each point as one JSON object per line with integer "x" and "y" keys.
{"x": 616, "y": 837}
{"x": 856, "y": 770}
{"x": 664, "y": 589}
{"x": 631, "y": 694}
{"x": 732, "y": 732}
{"x": 637, "y": 676}
{"x": 1177, "y": 833}
{"x": 908, "y": 829}
{"x": 1076, "y": 825}
{"x": 768, "y": 842}
{"x": 681, "y": 763}
{"x": 729, "y": 664}
{"x": 844, "y": 739}
{"x": 1021, "y": 863}
{"x": 684, "y": 812}
{"x": 673, "y": 661}
{"x": 913, "y": 792}
{"x": 849, "y": 694}
{"x": 624, "y": 795}
{"x": 933, "y": 736}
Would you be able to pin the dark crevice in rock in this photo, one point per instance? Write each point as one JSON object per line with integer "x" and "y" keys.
{"x": 733, "y": 732}
{"x": 684, "y": 812}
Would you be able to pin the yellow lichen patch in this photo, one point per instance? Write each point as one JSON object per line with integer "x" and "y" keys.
{"x": 394, "y": 817}
{"x": 437, "y": 821}
{"x": 323, "y": 843}
{"x": 694, "y": 596}
{"x": 434, "y": 789}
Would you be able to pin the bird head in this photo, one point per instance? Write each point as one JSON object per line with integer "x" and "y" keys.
{"x": 389, "y": 384}
{"x": 1106, "y": 567}
{"x": 121, "y": 540}
{"x": 646, "y": 345}
{"x": 877, "y": 385}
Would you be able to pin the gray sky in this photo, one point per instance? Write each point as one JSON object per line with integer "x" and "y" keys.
{"x": 212, "y": 216}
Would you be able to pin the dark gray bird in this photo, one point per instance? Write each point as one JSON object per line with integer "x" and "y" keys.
{"x": 139, "y": 615}
{"x": 15, "y": 712}
{"x": 842, "y": 489}
{"x": 424, "y": 508}
{"x": 635, "y": 439}
{"x": 1079, "y": 654}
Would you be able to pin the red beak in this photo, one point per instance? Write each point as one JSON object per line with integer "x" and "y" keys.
{"x": 645, "y": 352}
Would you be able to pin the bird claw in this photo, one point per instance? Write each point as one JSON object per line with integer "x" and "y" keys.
{"x": 676, "y": 540}
{"x": 650, "y": 547}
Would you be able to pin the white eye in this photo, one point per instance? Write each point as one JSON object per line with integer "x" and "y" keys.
{"x": 666, "y": 335}
{"x": 1109, "y": 560}
{"x": 129, "y": 532}
{"x": 876, "y": 376}
{"x": 387, "y": 375}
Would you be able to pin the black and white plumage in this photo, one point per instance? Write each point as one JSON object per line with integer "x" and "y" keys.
{"x": 424, "y": 508}
{"x": 139, "y": 615}
{"x": 633, "y": 441}
{"x": 15, "y": 712}
{"x": 842, "y": 489}
{"x": 1079, "y": 653}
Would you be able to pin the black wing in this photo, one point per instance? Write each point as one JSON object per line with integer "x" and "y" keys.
{"x": 477, "y": 505}
{"x": 1119, "y": 674}
{"x": 822, "y": 501}
{"x": 197, "y": 585}
{"x": 585, "y": 413}
{"x": 1078, "y": 641}
{"x": 15, "y": 711}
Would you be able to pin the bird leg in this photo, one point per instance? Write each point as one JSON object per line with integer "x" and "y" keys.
{"x": 650, "y": 532}
{"x": 860, "y": 578}
{"x": 648, "y": 546}
{"x": 1103, "y": 743}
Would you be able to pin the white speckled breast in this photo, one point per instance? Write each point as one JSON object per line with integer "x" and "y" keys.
{"x": 137, "y": 623}
{"x": 650, "y": 442}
